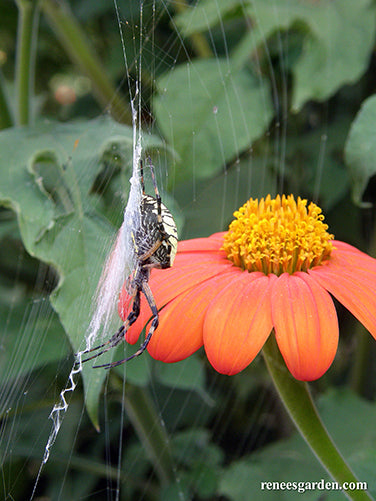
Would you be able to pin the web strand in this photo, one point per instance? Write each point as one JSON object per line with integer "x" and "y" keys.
{"x": 120, "y": 263}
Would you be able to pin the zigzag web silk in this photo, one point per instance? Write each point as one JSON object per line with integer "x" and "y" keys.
{"x": 119, "y": 265}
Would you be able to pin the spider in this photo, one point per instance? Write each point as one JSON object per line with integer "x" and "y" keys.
{"x": 155, "y": 245}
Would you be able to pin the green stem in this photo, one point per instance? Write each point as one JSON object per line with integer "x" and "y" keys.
{"x": 78, "y": 48}
{"x": 199, "y": 43}
{"x": 147, "y": 423}
{"x": 298, "y": 402}
{"x": 25, "y": 59}
{"x": 6, "y": 119}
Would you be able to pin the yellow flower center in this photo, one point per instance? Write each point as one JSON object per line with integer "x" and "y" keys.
{"x": 278, "y": 235}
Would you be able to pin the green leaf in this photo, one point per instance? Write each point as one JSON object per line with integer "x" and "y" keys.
{"x": 337, "y": 38}
{"x": 210, "y": 113}
{"x": 185, "y": 375}
{"x": 337, "y": 50}
{"x": 189, "y": 445}
{"x": 360, "y": 150}
{"x": 204, "y": 479}
{"x": 32, "y": 337}
{"x": 48, "y": 176}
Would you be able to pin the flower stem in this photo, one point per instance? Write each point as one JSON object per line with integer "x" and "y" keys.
{"x": 142, "y": 413}
{"x": 298, "y": 402}
{"x": 25, "y": 59}
{"x": 199, "y": 43}
{"x": 6, "y": 119}
{"x": 77, "y": 46}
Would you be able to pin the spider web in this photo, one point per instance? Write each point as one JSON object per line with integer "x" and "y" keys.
{"x": 201, "y": 413}
{"x": 120, "y": 263}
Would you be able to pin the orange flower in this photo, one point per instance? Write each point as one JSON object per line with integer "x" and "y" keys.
{"x": 275, "y": 268}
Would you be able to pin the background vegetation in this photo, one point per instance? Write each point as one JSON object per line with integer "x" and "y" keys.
{"x": 239, "y": 98}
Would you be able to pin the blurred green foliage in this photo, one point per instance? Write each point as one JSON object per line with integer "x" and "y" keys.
{"x": 239, "y": 98}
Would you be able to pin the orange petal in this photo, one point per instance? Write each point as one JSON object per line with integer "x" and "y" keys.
{"x": 350, "y": 275}
{"x": 238, "y": 322}
{"x": 306, "y": 325}
{"x": 181, "y": 322}
{"x": 353, "y": 261}
{"x": 189, "y": 270}
{"x": 212, "y": 243}
{"x": 344, "y": 247}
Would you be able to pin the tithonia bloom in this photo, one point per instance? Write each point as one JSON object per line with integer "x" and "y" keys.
{"x": 275, "y": 268}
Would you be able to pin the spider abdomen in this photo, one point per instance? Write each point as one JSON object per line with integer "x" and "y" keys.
{"x": 157, "y": 234}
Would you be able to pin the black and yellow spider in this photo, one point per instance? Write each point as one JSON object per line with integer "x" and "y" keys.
{"x": 155, "y": 245}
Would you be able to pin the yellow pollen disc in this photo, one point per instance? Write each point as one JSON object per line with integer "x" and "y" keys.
{"x": 278, "y": 235}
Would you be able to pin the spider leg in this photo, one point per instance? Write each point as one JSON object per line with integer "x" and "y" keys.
{"x": 119, "y": 335}
{"x": 154, "y": 324}
{"x": 111, "y": 343}
{"x": 142, "y": 177}
{"x": 151, "y": 251}
{"x": 157, "y": 195}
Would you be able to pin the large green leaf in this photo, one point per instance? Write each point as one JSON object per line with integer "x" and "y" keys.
{"x": 210, "y": 112}
{"x": 337, "y": 38}
{"x": 49, "y": 177}
{"x": 337, "y": 49}
{"x": 360, "y": 150}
